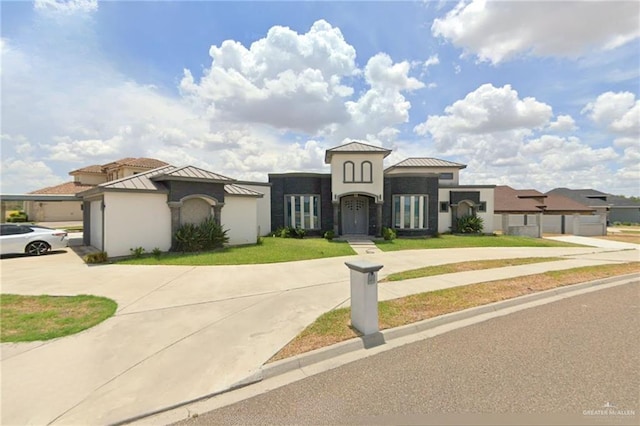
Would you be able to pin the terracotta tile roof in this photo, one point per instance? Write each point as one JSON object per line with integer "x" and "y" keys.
{"x": 588, "y": 197}
{"x": 509, "y": 200}
{"x": 65, "y": 188}
{"x": 96, "y": 168}
{"x": 427, "y": 162}
{"x": 151, "y": 163}
{"x": 354, "y": 147}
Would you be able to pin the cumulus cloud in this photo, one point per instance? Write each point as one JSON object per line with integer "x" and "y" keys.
{"x": 563, "y": 123}
{"x": 496, "y": 31}
{"x": 287, "y": 80}
{"x": 66, "y": 6}
{"x": 618, "y": 112}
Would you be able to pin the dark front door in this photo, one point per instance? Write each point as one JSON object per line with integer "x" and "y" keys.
{"x": 355, "y": 219}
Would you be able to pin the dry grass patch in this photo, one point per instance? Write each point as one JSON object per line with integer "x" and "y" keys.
{"x": 465, "y": 266}
{"x": 633, "y": 238}
{"x": 334, "y": 326}
{"x": 31, "y": 318}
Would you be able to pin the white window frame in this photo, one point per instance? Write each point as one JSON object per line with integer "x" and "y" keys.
{"x": 297, "y": 219}
{"x": 417, "y": 203}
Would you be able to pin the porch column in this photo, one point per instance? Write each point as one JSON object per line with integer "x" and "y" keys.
{"x": 336, "y": 217}
{"x": 454, "y": 217}
{"x": 174, "y": 206}
{"x": 379, "y": 219}
{"x": 217, "y": 211}
{"x": 576, "y": 224}
{"x": 540, "y": 224}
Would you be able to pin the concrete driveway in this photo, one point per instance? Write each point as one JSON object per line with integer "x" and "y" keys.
{"x": 183, "y": 332}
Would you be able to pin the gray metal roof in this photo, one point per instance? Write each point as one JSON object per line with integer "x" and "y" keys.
{"x": 355, "y": 147}
{"x": 232, "y": 189}
{"x": 141, "y": 181}
{"x": 427, "y": 162}
{"x": 191, "y": 172}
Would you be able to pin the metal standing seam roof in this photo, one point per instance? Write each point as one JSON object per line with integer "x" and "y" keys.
{"x": 140, "y": 181}
{"x": 427, "y": 162}
{"x": 354, "y": 147}
{"x": 192, "y": 172}
{"x": 233, "y": 189}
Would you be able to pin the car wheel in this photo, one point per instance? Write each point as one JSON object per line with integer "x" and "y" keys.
{"x": 36, "y": 248}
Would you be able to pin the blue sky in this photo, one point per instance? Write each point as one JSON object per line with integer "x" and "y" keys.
{"x": 529, "y": 94}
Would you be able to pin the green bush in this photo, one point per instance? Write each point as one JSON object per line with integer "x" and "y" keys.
{"x": 282, "y": 233}
{"x": 137, "y": 252}
{"x": 469, "y": 224}
{"x": 297, "y": 232}
{"x": 206, "y": 236}
{"x": 389, "y": 234}
{"x": 156, "y": 252}
{"x": 329, "y": 235}
{"x": 18, "y": 217}
{"x": 99, "y": 257}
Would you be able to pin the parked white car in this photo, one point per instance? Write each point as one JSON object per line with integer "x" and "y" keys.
{"x": 31, "y": 239}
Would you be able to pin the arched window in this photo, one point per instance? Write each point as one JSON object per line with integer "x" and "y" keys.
{"x": 366, "y": 168}
{"x": 349, "y": 171}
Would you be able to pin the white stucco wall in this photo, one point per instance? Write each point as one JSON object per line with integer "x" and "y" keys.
{"x": 339, "y": 187}
{"x": 95, "y": 227}
{"x": 486, "y": 195}
{"x": 240, "y": 216}
{"x": 90, "y": 178}
{"x": 136, "y": 220}
{"x": 264, "y": 207}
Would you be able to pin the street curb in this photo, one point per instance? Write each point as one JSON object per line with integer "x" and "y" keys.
{"x": 299, "y": 362}
{"x": 304, "y": 360}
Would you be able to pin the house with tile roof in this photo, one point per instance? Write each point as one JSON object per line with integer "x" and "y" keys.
{"x": 83, "y": 179}
{"x": 616, "y": 208}
{"x": 147, "y": 208}
{"x": 517, "y": 209}
{"x": 359, "y": 197}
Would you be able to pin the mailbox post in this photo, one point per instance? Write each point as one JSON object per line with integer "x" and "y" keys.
{"x": 364, "y": 295}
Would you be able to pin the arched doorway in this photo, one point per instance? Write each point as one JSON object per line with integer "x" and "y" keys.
{"x": 355, "y": 215}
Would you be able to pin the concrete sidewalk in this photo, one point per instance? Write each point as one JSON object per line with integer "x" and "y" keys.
{"x": 184, "y": 332}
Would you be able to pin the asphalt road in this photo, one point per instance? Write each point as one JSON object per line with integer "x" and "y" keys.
{"x": 576, "y": 361}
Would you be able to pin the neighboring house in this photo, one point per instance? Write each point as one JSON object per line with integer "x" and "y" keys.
{"x": 145, "y": 209}
{"x": 417, "y": 197}
{"x": 83, "y": 179}
{"x": 623, "y": 209}
{"x": 589, "y": 197}
{"x": 517, "y": 209}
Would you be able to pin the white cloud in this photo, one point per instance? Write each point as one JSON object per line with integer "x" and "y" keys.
{"x": 21, "y": 173}
{"x": 497, "y": 31}
{"x": 618, "y": 112}
{"x": 486, "y": 110}
{"x": 431, "y": 61}
{"x": 66, "y": 6}
{"x": 287, "y": 80}
{"x": 563, "y": 123}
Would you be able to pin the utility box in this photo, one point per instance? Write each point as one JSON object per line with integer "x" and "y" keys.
{"x": 364, "y": 295}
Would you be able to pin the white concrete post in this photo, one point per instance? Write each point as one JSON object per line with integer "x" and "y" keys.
{"x": 364, "y": 295}
{"x": 540, "y": 218}
{"x": 576, "y": 224}
{"x": 505, "y": 224}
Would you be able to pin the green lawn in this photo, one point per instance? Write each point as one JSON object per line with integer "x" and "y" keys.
{"x": 31, "y": 318}
{"x": 463, "y": 241}
{"x": 272, "y": 250}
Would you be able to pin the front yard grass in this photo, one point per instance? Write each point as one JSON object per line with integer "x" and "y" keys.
{"x": 272, "y": 250}
{"x": 466, "y": 241}
{"x": 334, "y": 326}
{"x": 476, "y": 265}
{"x": 31, "y": 318}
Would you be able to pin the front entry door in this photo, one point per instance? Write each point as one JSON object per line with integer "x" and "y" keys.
{"x": 355, "y": 218}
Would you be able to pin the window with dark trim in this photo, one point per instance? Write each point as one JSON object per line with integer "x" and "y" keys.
{"x": 482, "y": 207}
{"x": 411, "y": 211}
{"x": 446, "y": 176}
{"x": 349, "y": 171}
{"x": 302, "y": 211}
{"x": 444, "y": 206}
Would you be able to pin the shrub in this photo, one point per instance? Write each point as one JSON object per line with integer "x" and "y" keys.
{"x": 329, "y": 235}
{"x": 206, "y": 236}
{"x": 137, "y": 252}
{"x": 282, "y": 233}
{"x": 156, "y": 252}
{"x": 259, "y": 241}
{"x": 389, "y": 234}
{"x": 469, "y": 224}
{"x": 297, "y": 232}
{"x": 17, "y": 217}
{"x": 98, "y": 257}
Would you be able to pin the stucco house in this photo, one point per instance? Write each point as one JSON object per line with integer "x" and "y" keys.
{"x": 521, "y": 211}
{"x": 83, "y": 179}
{"x": 145, "y": 209}
{"x": 416, "y": 197}
{"x": 616, "y": 208}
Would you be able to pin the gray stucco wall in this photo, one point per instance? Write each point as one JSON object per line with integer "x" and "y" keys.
{"x": 179, "y": 189}
{"x": 301, "y": 184}
{"x": 411, "y": 184}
